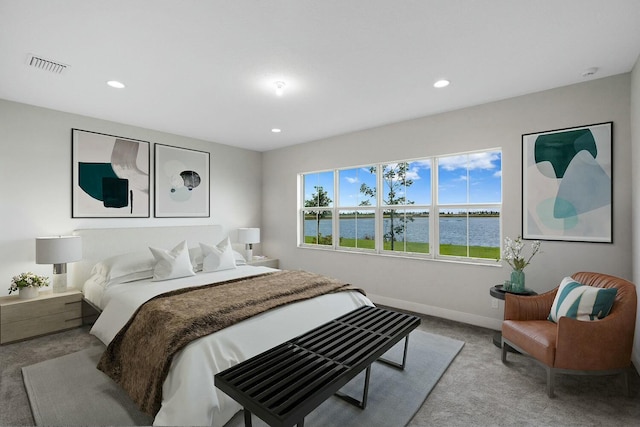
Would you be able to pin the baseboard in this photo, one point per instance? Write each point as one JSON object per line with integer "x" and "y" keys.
{"x": 458, "y": 316}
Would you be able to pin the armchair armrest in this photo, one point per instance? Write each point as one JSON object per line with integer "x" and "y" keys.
{"x": 597, "y": 345}
{"x": 520, "y": 307}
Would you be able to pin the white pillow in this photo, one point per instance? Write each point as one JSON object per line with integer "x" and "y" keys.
{"x": 172, "y": 264}
{"x": 123, "y": 268}
{"x": 196, "y": 257}
{"x": 219, "y": 257}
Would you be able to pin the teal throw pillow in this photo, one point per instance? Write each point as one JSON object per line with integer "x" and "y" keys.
{"x": 581, "y": 302}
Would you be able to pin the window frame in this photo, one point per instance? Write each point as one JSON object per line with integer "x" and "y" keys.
{"x": 379, "y": 209}
{"x": 468, "y": 206}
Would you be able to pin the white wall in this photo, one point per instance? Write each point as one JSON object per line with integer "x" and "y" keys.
{"x": 454, "y": 290}
{"x": 635, "y": 179}
{"x": 35, "y": 175}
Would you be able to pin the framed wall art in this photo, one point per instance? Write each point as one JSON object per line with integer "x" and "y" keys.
{"x": 181, "y": 182}
{"x": 110, "y": 176}
{"x": 567, "y": 184}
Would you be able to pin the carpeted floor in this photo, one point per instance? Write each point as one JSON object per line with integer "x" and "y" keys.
{"x": 476, "y": 390}
{"x": 70, "y": 391}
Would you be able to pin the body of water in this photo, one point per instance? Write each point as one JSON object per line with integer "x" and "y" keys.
{"x": 483, "y": 231}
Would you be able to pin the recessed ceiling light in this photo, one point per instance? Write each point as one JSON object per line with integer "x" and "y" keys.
{"x": 276, "y": 130}
{"x": 441, "y": 83}
{"x": 279, "y": 87}
{"x": 116, "y": 84}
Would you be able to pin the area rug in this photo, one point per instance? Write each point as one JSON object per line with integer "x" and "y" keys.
{"x": 70, "y": 391}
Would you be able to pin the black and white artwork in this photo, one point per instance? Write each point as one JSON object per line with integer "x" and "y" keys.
{"x": 181, "y": 182}
{"x": 110, "y": 176}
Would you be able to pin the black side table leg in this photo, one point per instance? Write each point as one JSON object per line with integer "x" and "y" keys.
{"x": 247, "y": 418}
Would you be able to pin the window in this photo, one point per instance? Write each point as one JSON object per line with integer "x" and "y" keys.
{"x": 406, "y": 230}
{"x": 357, "y": 229}
{"x": 469, "y": 204}
{"x": 317, "y": 217}
{"x": 357, "y": 201}
{"x": 406, "y": 195}
{"x": 387, "y": 208}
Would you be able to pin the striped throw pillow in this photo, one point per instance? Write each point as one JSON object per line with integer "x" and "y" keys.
{"x": 581, "y": 302}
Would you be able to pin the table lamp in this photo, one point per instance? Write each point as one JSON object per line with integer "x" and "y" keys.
{"x": 58, "y": 251}
{"x": 248, "y": 236}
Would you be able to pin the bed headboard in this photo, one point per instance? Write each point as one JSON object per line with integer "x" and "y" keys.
{"x": 101, "y": 243}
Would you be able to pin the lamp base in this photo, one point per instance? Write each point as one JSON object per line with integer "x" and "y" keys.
{"x": 248, "y": 254}
{"x": 59, "y": 282}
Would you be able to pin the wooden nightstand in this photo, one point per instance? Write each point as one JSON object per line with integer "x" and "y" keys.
{"x": 26, "y": 318}
{"x": 265, "y": 262}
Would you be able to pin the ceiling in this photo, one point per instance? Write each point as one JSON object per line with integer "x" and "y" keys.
{"x": 206, "y": 69}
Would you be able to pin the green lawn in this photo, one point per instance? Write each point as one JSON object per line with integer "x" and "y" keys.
{"x": 423, "y": 248}
{"x": 474, "y": 251}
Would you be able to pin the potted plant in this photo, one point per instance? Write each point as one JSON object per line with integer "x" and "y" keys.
{"x": 513, "y": 255}
{"x": 27, "y": 284}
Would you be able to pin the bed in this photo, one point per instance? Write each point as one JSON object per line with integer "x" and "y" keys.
{"x": 189, "y": 396}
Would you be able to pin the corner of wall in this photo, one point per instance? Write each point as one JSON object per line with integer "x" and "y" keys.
{"x": 635, "y": 196}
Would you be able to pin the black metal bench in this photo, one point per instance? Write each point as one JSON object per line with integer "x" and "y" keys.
{"x": 284, "y": 384}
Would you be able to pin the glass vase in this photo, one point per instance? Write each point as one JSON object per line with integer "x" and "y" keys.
{"x": 517, "y": 280}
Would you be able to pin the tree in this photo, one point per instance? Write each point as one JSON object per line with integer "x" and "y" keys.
{"x": 394, "y": 179}
{"x": 318, "y": 199}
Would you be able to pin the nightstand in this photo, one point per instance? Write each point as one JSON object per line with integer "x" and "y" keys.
{"x": 265, "y": 262}
{"x": 26, "y": 318}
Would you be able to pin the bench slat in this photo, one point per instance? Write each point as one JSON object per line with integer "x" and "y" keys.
{"x": 283, "y": 384}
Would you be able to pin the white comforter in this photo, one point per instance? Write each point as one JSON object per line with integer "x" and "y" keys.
{"x": 189, "y": 394}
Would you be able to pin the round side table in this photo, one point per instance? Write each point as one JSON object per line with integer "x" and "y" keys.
{"x": 498, "y": 292}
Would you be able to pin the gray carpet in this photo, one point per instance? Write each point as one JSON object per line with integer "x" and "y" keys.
{"x": 69, "y": 390}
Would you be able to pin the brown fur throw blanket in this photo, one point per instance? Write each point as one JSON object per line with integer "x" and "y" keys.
{"x": 140, "y": 355}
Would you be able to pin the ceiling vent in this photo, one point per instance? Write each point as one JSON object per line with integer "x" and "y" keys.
{"x": 46, "y": 64}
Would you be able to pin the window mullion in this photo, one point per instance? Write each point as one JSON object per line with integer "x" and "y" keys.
{"x": 468, "y": 201}
{"x": 434, "y": 223}
{"x": 335, "y": 216}
{"x": 379, "y": 211}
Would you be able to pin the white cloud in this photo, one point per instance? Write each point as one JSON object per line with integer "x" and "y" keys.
{"x": 414, "y": 169}
{"x": 351, "y": 180}
{"x": 470, "y": 161}
{"x": 423, "y": 164}
{"x": 413, "y": 174}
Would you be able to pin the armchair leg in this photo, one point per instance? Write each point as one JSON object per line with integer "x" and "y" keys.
{"x": 505, "y": 346}
{"x": 550, "y": 381}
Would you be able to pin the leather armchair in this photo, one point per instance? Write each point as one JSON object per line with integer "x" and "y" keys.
{"x": 601, "y": 347}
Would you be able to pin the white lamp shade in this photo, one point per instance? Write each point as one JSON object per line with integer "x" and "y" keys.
{"x": 249, "y": 235}
{"x": 58, "y": 250}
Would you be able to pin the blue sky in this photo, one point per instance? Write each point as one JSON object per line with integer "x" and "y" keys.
{"x": 320, "y": 179}
{"x": 483, "y": 172}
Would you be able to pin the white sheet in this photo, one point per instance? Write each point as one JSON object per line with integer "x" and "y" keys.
{"x": 189, "y": 393}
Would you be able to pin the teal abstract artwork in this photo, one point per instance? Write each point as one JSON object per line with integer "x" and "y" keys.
{"x": 567, "y": 184}
{"x": 110, "y": 176}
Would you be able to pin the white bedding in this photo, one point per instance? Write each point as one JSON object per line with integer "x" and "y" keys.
{"x": 189, "y": 394}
